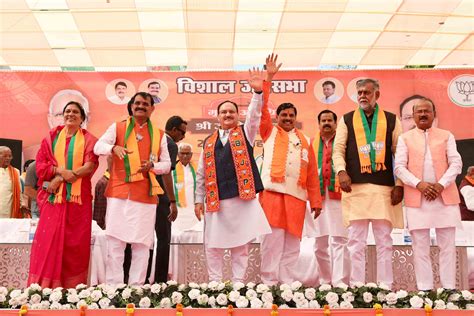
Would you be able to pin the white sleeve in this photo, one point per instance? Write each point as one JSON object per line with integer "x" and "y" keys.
{"x": 107, "y": 141}
{"x": 468, "y": 194}
{"x": 252, "y": 119}
{"x": 163, "y": 166}
{"x": 200, "y": 193}
{"x": 454, "y": 163}
{"x": 401, "y": 163}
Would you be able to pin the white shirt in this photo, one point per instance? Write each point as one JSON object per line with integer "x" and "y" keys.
{"x": 333, "y": 98}
{"x": 116, "y": 100}
{"x": 467, "y": 192}
{"x": 6, "y": 193}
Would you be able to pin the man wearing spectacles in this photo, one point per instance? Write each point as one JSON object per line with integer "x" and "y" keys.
{"x": 166, "y": 211}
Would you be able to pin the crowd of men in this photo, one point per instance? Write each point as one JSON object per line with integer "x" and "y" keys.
{"x": 351, "y": 174}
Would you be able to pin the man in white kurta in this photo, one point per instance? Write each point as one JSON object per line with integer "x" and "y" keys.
{"x": 185, "y": 188}
{"x": 128, "y": 220}
{"x": 186, "y": 228}
{"x": 427, "y": 180}
{"x": 237, "y": 221}
{"x": 331, "y": 251}
{"x": 370, "y": 194}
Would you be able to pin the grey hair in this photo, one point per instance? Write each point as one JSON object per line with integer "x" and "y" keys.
{"x": 469, "y": 169}
{"x": 184, "y": 145}
{"x": 363, "y": 82}
{"x": 3, "y": 148}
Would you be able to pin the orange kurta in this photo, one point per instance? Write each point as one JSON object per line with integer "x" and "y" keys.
{"x": 284, "y": 211}
{"x": 137, "y": 191}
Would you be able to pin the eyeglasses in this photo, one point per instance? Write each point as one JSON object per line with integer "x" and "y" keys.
{"x": 186, "y": 154}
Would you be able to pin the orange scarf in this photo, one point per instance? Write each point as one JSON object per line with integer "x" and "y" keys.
{"x": 132, "y": 161}
{"x": 72, "y": 160}
{"x": 180, "y": 184}
{"x": 243, "y": 168}
{"x": 370, "y": 141}
{"x": 469, "y": 179}
{"x": 16, "y": 191}
{"x": 280, "y": 155}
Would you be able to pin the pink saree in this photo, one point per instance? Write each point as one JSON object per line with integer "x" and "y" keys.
{"x": 61, "y": 248}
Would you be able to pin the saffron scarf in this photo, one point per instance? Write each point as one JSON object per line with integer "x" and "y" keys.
{"x": 469, "y": 179}
{"x": 280, "y": 155}
{"x": 318, "y": 147}
{"x": 16, "y": 191}
{"x": 242, "y": 165}
{"x": 71, "y": 158}
{"x": 370, "y": 141}
{"x": 132, "y": 161}
{"x": 180, "y": 185}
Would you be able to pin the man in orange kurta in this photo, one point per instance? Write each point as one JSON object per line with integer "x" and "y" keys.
{"x": 290, "y": 178}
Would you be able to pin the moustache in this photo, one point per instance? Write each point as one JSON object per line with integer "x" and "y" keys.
{"x": 140, "y": 109}
{"x": 326, "y": 125}
{"x": 423, "y": 117}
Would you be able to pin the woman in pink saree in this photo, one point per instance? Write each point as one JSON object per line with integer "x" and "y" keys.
{"x": 65, "y": 164}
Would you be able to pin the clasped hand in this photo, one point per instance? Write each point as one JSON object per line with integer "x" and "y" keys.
{"x": 430, "y": 191}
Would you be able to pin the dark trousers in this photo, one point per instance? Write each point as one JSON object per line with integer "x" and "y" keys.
{"x": 127, "y": 261}
{"x": 163, "y": 236}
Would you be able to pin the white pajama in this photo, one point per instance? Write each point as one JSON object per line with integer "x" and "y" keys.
{"x": 115, "y": 257}
{"x": 333, "y": 271}
{"x": 445, "y": 238}
{"x": 239, "y": 257}
{"x": 330, "y": 247}
{"x": 357, "y": 245}
{"x": 280, "y": 251}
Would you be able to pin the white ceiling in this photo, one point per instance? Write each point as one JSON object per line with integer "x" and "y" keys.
{"x": 231, "y": 34}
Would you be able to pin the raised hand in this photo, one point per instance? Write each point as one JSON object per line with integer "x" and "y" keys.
{"x": 271, "y": 66}
{"x": 256, "y": 79}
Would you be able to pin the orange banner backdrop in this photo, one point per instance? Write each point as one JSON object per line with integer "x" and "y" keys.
{"x": 31, "y": 102}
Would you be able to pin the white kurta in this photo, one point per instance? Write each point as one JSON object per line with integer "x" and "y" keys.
{"x": 431, "y": 214}
{"x": 329, "y": 223}
{"x": 126, "y": 220}
{"x": 238, "y": 221}
{"x": 6, "y": 193}
{"x": 186, "y": 219}
{"x": 331, "y": 99}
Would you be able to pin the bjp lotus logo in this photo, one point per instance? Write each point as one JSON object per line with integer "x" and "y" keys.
{"x": 460, "y": 90}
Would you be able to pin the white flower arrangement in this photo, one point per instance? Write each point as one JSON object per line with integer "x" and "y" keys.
{"x": 239, "y": 295}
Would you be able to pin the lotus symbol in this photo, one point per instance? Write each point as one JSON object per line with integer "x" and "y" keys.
{"x": 466, "y": 88}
